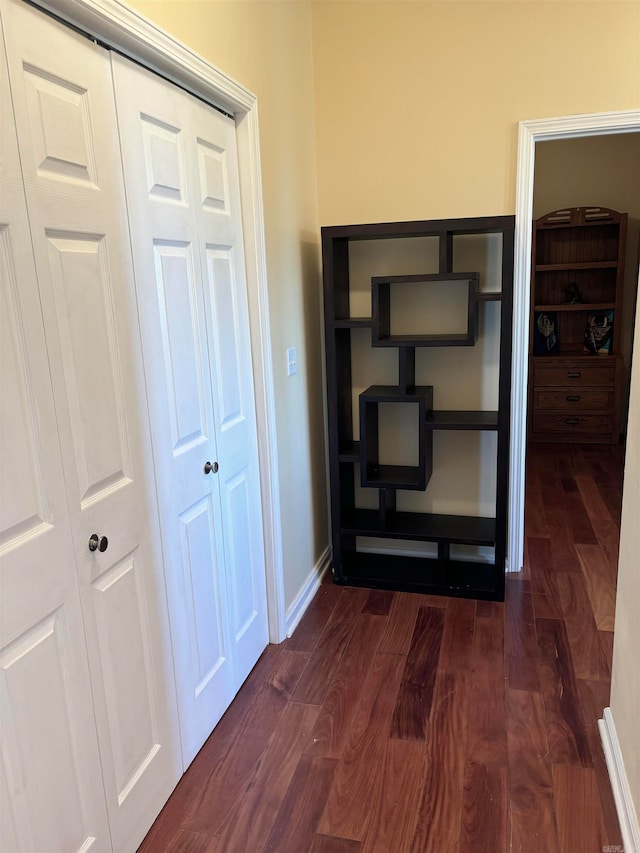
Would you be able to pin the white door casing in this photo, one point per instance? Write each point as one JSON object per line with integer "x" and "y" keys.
{"x": 182, "y": 183}
{"x": 50, "y": 781}
{"x": 65, "y": 117}
{"x": 530, "y": 132}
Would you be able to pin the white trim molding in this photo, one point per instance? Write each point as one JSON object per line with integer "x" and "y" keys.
{"x": 530, "y": 132}
{"x": 627, "y": 816}
{"x": 119, "y": 27}
{"x": 303, "y": 599}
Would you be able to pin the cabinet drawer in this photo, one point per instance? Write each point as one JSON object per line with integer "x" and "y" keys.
{"x": 568, "y": 423}
{"x": 574, "y": 399}
{"x": 596, "y": 374}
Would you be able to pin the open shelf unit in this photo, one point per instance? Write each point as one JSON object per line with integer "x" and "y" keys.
{"x": 574, "y": 395}
{"x": 355, "y": 461}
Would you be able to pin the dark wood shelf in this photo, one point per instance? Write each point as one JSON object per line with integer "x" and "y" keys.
{"x": 577, "y": 306}
{"x": 395, "y": 477}
{"x": 420, "y": 574}
{"x": 572, "y": 354}
{"x": 586, "y": 265}
{"x": 453, "y": 340}
{"x": 458, "y": 529}
{"x": 393, "y": 393}
{"x": 462, "y": 420}
{"x": 489, "y": 297}
{"x": 353, "y": 323}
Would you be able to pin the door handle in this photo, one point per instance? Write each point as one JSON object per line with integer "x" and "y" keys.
{"x": 210, "y": 466}
{"x": 98, "y": 543}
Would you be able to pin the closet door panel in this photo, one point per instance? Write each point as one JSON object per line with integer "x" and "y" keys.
{"x": 51, "y": 792}
{"x": 193, "y": 199}
{"x": 221, "y": 245}
{"x": 84, "y": 300}
{"x": 38, "y": 736}
{"x": 180, "y": 336}
{"x": 157, "y": 144}
{"x": 118, "y": 600}
{"x": 77, "y": 210}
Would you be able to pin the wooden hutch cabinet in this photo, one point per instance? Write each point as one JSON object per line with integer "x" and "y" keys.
{"x": 576, "y": 318}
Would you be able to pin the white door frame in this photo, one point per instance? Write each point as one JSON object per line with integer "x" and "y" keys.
{"x": 120, "y": 27}
{"x": 565, "y": 127}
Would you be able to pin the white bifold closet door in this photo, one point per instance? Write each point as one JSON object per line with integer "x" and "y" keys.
{"x": 65, "y": 116}
{"x": 51, "y": 793}
{"x": 181, "y": 172}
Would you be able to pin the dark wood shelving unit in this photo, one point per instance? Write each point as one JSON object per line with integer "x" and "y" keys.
{"x": 574, "y": 395}
{"x": 355, "y": 462}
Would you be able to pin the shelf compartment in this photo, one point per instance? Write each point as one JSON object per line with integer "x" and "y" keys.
{"x": 458, "y": 529}
{"x": 381, "y": 311}
{"x": 422, "y": 574}
{"x": 349, "y": 451}
{"x": 375, "y": 474}
{"x": 595, "y": 286}
{"x": 462, "y": 420}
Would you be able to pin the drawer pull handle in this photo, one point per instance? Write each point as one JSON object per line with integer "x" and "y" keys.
{"x": 572, "y": 398}
{"x": 572, "y": 421}
{"x": 574, "y": 374}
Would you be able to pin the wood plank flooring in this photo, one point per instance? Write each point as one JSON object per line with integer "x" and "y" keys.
{"x": 399, "y": 722}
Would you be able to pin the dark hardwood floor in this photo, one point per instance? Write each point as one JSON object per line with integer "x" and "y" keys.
{"x": 401, "y": 722}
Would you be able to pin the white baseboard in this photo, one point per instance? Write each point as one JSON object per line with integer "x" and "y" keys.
{"x": 298, "y": 606}
{"x": 627, "y": 816}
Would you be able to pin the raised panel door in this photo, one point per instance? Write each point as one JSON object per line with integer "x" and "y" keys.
{"x": 51, "y": 791}
{"x": 65, "y": 116}
{"x": 221, "y": 247}
{"x": 179, "y": 158}
{"x": 156, "y": 147}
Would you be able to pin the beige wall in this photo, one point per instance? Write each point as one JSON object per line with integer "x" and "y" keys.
{"x": 417, "y": 103}
{"x": 266, "y": 46}
{"x": 625, "y": 683}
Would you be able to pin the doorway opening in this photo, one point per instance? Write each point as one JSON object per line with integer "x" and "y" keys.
{"x": 531, "y": 133}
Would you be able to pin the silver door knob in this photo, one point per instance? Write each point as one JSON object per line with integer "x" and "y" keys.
{"x": 210, "y": 466}
{"x": 98, "y": 543}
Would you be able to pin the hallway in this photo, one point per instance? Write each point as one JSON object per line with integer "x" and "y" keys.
{"x": 398, "y": 722}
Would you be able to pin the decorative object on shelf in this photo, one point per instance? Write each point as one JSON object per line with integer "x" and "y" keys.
{"x": 545, "y": 341}
{"x": 577, "y": 277}
{"x": 572, "y": 295}
{"x": 445, "y": 316}
{"x": 598, "y": 333}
